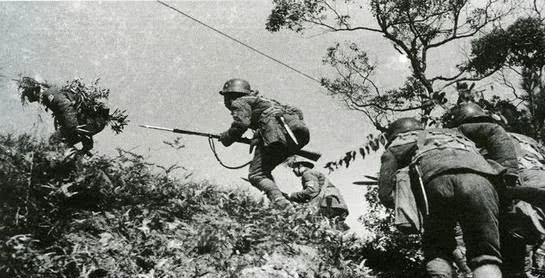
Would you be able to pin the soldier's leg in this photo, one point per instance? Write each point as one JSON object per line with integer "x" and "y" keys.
{"x": 68, "y": 124}
{"x": 478, "y": 204}
{"x": 260, "y": 175}
{"x": 87, "y": 144}
{"x": 513, "y": 246}
{"x": 438, "y": 238}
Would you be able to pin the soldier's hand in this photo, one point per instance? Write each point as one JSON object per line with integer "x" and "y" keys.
{"x": 253, "y": 144}
{"x": 511, "y": 180}
{"x": 225, "y": 139}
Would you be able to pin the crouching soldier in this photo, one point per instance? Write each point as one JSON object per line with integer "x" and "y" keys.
{"x": 63, "y": 103}
{"x": 279, "y": 132}
{"x": 521, "y": 224}
{"x": 319, "y": 192}
{"x": 457, "y": 187}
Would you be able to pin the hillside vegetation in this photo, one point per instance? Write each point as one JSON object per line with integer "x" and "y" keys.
{"x": 124, "y": 217}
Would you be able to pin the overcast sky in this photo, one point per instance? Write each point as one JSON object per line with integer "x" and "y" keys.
{"x": 165, "y": 69}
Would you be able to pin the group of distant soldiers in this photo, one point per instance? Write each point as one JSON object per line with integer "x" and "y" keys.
{"x": 470, "y": 180}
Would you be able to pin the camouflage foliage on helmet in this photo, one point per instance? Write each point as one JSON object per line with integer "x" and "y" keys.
{"x": 28, "y": 85}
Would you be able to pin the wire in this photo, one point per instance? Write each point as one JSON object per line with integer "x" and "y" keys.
{"x": 240, "y": 42}
{"x": 213, "y": 149}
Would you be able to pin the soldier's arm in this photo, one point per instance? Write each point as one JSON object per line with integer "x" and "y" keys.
{"x": 386, "y": 181}
{"x": 63, "y": 109}
{"x": 311, "y": 188}
{"x": 242, "y": 113}
{"x": 496, "y": 141}
{"x": 394, "y": 158}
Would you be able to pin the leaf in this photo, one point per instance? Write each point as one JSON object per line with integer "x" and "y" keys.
{"x": 105, "y": 238}
{"x": 64, "y": 189}
{"x": 362, "y": 153}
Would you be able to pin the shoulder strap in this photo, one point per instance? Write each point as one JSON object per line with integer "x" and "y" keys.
{"x": 421, "y": 139}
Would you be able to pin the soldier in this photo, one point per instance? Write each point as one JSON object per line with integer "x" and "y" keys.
{"x": 520, "y": 225}
{"x": 63, "y": 105}
{"x": 456, "y": 180}
{"x": 279, "y": 132}
{"x": 319, "y": 192}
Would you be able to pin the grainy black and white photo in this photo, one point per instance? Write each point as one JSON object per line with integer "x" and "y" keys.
{"x": 272, "y": 139}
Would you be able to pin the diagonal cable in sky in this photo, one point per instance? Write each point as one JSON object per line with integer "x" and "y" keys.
{"x": 240, "y": 42}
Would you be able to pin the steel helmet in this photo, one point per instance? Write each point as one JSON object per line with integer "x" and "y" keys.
{"x": 402, "y": 125}
{"x": 467, "y": 112}
{"x": 302, "y": 162}
{"x": 236, "y": 85}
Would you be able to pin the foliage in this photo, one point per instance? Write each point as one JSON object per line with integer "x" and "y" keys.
{"x": 391, "y": 252}
{"x": 90, "y": 103}
{"x": 373, "y": 145}
{"x": 519, "y": 50}
{"x": 521, "y": 44}
{"x": 355, "y": 87}
{"x": 123, "y": 217}
{"x": 413, "y": 27}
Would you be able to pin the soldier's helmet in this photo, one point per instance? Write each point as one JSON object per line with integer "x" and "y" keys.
{"x": 236, "y": 86}
{"x": 402, "y": 125}
{"x": 466, "y": 113}
{"x": 28, "y": 87}
{"x": 28, "y": 83}
{"x": 302, "y": 162}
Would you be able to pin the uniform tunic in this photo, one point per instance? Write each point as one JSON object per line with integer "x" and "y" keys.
{"x": 456, "y": 181}
{"x": 62, "y": 104}
{"x": 321, "y": 193}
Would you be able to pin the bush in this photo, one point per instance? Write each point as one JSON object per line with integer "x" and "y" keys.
{"x": 390, "y": 252}
{"x": 123, "y": 217}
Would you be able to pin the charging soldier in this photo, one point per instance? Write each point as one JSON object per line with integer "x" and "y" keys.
{"x": 63, "y": 105}
{"x": 279, "y": 132}
{"x": 319, "y": 192}
{"x": 456, "y": 181}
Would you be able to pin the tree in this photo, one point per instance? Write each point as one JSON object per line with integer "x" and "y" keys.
{"x": 414, "y": 27}
{"x": 519, "y": 50}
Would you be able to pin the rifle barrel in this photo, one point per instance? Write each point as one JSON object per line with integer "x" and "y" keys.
{"x": 308, "y": 154}
{"x": 157, "y": 127}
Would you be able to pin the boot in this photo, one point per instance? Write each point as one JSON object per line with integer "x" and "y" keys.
{"x": 273, "y": 193}
{"x": 278, "y": 199}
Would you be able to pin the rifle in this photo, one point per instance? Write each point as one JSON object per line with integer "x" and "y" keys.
{"x": 366, "y": 183}
{"x": 371, "y": 182}
{"x": 314, "y": 156}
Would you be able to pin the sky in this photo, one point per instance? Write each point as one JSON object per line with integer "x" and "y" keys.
{"x": 166, "y": 70}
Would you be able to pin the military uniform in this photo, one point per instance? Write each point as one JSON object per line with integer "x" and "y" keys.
{"x": 62, "y": 104}
{"x": 469, "y": 118}
{"x": 531, "y": 160}
{"x": 274, "y": 143}
{"x": 456, "y": 180}
{"x": 321, "y": 194}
